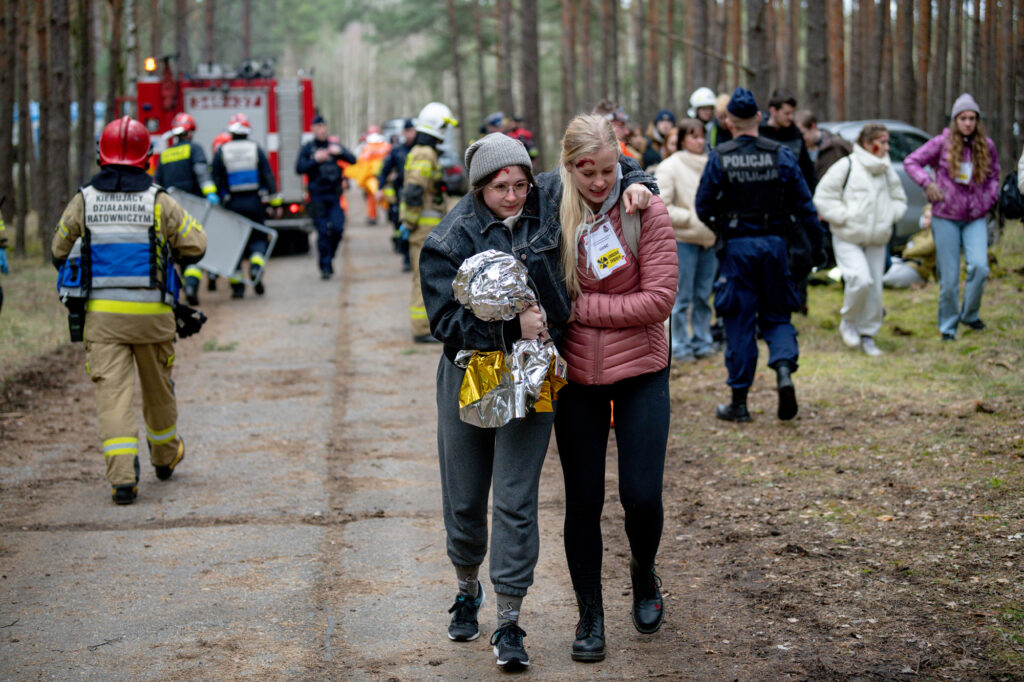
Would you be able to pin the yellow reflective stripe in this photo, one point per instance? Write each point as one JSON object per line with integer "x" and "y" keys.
{"x": 120, "y": 446}
{"x": 187, "y": 224}
{"x": 170, "y": 360}
{"x": 193, "y": 271}
{"x": 276, "y": 201}
{"x": 417, "y": 313}
{"x": 62, "y": 228}
{"x": 257, "y": 259}
{"x": 209, "y": 188}
{"x": 161, "y": 437}
{"x": 157, "y": 220}
{"x": 426, "y": 169}
{"x": 427, "y": 221}
{"x": 178, "y": 153}
{"x": 126, "y": 307}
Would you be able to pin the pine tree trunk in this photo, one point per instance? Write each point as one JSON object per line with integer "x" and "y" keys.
{"x": 887, "y": 92}
{"x": 60, "y": 118}
{"x": 453, "y": 36}
{"x": 735, "y": 24}
{"x": 606, "y": 56}
{"x": 1006, "y": 83}
{"x": 907, "y": 87}
{"x": 616, "y": 78}
{"x": 974, "y": 51}
{"x": 771, "y": 32}
{"x": 505, "y": 78}
{"x": 922, "y": 58}
{"x": 210, "y": 31}
{"x": 791, "y": 52}
{"x": 8, "y": 71}
{"x": 246, "y": 30}
{"x": 568, "y": 105}
{"x": 872, "y": 61}
{"x": 155, "y": 42}
{"x": 650, "y": 96}
{"x": 26, "y": 156}
{"x": 131, "y": 51}
{"x": 44, "y": 153}
{"x": 115, "y": 66}
{"x": 530, "y": 73}
{"x": 86, "y": 69}
{"x": 669, "y": 59}
{"x": 702, "y": 22}
{"x": 817, "y": 72}
{"x": 716, "y": 69}
{"x": 1018, "y": 63}
{"x": 957, "y": 67}
{"x": 638, "y": 25}
{"x": 836, "y": 60}
{"x": 478, "y": 35}
{"x": 937, "y": 76}
{"x": 584, "y": 15}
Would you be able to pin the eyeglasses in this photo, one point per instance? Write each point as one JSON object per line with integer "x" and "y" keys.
{"x": 520, "y": 189}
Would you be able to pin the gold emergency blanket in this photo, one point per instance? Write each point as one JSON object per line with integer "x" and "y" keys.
{"x": 499, "y": 387}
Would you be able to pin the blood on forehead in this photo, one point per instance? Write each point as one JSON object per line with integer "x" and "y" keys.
{"x": 584, "y": 162}
{"x": 503, "y": 170}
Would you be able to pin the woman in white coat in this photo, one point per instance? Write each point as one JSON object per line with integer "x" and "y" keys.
{"x": 678, "y": 177}
{"x": 861, "y": 198}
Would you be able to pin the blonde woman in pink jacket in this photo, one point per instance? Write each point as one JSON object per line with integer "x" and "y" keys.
{"x": 621, "y": 273}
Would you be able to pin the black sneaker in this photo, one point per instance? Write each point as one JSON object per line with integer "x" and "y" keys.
{"x": 255, "y": 272}
{"x": 508, "y": 647}
{"x": 163, "y": 472}
{"x": 124, "y": 494}
{"x": 464, "y": 626}
{"x": 977, "y": 325}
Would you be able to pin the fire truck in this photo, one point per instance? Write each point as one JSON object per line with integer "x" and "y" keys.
{"x": 280, "y": 110}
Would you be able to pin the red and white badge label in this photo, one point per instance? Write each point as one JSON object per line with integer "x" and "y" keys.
{"x": 604, "y": 251}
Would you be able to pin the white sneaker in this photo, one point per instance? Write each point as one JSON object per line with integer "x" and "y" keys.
{"x": 867, "y": 344}
{"x": 850, "y": 335}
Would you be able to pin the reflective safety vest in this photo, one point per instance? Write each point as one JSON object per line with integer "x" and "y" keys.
{"x": 125, "y": 259}
{"x": 242, "y": 162}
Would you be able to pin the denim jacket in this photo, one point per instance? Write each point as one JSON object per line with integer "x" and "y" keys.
{"x": 470, "y": 228}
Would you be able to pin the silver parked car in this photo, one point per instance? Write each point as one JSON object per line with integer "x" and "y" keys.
{"x": 903, "y": 139}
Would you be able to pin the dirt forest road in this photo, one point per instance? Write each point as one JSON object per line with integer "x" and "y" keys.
{"x": 301, "y": 538}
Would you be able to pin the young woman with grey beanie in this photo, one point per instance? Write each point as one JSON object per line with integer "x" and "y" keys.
{"x": 508, "y": 210}
{"x": 964, "y": 187}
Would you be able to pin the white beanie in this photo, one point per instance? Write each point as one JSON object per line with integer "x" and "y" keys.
{"x": 492, "y": 153}
{"x": 965, "y": 103}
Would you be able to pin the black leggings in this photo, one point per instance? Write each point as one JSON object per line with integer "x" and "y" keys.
{"x": 641, "y": 432}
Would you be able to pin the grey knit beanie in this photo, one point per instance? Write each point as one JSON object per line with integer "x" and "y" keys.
{"x": 493, "y": 152}
{"x": 965, "y": 103}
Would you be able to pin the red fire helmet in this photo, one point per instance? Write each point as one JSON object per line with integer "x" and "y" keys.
{"x": 124, "y": 142}
{"x": 239, "y": 124}
{"x": 183, "y": 120}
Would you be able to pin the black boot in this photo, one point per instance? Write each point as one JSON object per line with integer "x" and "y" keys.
{"x": 736, "y": 411}
{"x": 787, "y": 392}
{"x": 589, "y": 642}
{"x": 648, "y": 606}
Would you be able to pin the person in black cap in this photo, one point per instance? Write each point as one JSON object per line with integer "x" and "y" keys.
{"x": 756, "y": 200}
{"x": 318, "y": 161}
{"x": 657, "y": 134}
{"x": 394, "y": 168}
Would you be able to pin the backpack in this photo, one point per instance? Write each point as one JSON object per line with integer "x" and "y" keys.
{"x": 1011, "y": 203}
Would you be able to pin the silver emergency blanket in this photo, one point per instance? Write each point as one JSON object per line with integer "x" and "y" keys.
{"x": 499, "y": 387}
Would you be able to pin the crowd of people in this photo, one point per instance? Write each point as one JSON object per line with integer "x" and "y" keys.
{"x": 631, "y": 245}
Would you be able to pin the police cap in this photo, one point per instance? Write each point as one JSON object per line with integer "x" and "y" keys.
{"x": 742, "y": 104}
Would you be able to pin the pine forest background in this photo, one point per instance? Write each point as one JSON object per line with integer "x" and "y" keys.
{"x": 542, "y": 59}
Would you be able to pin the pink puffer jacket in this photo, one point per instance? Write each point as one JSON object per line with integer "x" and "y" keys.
{"x": 619, "y": 330}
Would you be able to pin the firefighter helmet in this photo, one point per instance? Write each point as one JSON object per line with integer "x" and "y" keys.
{"x": 124, "y": 142}
{"x": 239, "y": 124}
{"x": 184, "y": 121}
{"x": 434, "y": 119}
{"x": 219, "y": 140}
{"x": 701, "y": 97}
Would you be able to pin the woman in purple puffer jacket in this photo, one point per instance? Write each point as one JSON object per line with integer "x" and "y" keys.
{"x": 964, "y": 187}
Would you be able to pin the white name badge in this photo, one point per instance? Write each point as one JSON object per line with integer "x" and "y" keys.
{"x": 604, "y": 251}
{"x": 964, "y": 175}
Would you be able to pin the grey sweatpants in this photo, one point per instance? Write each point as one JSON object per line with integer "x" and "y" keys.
{"x": 471, "y": 457}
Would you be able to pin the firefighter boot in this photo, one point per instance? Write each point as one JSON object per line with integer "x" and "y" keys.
{"x": 126, "y": 493}
{"x": 256, "y": 275}
{"x": 164, "y": 471}
{"x": 211, "y": 283}
{"x": 735, "y": 411}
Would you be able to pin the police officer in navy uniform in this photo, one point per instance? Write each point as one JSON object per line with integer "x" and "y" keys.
{"x": 183, "y": 166}
{"x": 244, "y": 179}
{"x": 754, "y": 196}
{"x": 318, "y": 160}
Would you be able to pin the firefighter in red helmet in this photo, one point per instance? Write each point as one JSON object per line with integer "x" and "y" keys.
{"x": 116, "y": 247}
{"x": 183, "y": 166}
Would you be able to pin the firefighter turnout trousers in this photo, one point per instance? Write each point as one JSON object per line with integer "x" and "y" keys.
{"x": 110, "y": 366}
{"x": 417, "y": 309}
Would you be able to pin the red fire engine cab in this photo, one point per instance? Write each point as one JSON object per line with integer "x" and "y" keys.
{"x": 279, "y": 109}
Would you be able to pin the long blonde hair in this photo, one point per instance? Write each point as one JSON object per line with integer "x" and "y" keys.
{"x": 586, "y": 135}
{"x": 979, "y": 151}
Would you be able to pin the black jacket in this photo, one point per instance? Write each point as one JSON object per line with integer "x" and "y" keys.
{"x": 792, "y": 137}
{"x": 322, "y": 179}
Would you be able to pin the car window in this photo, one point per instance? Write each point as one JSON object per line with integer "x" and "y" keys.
{"x": 902, "y": 143}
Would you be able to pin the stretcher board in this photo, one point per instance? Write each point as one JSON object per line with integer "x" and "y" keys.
{"x": 226, "y": 233}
